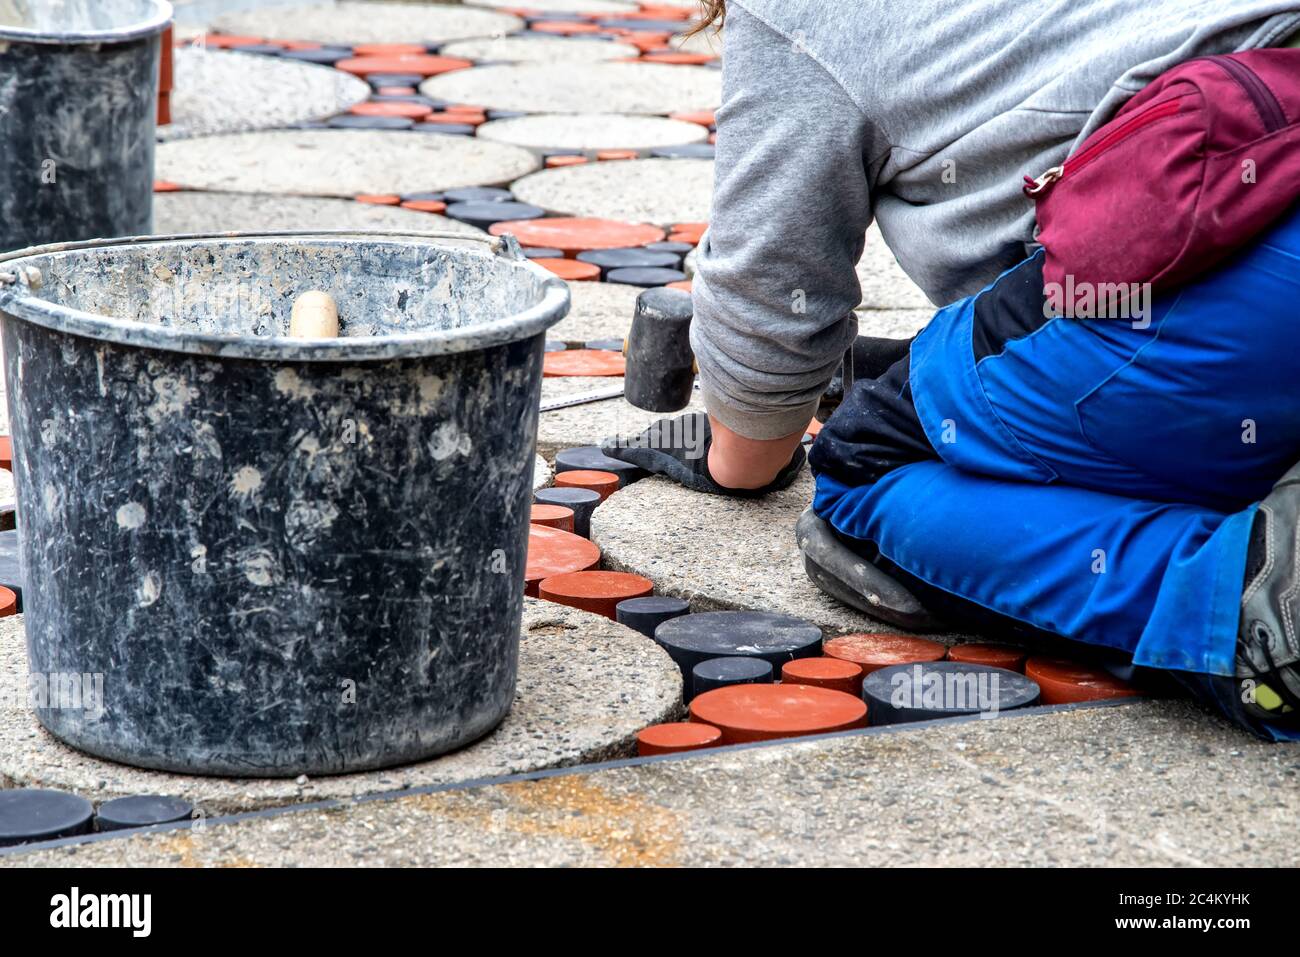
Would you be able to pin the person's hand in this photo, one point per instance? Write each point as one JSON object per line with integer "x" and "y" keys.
{"x": 688, "y": 450}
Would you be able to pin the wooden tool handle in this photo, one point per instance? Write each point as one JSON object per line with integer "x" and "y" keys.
{"x": 314, "y": 316}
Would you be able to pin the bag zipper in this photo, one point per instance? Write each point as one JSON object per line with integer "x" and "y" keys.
{"x": 1141, "y": 119}
{"x": 1266, "y": 104}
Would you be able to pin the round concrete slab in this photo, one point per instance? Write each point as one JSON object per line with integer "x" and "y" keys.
{"x": 224, "y": 92}
{"x": 339, "y": 162}
{"x": 661, "y": 191}
{"x": 589, "y": 424}
{"x": 538, "y": 48}
{"x": 542, "y": 474}
{"x": 884, "y": 284}
{"x": 598, "y": 310}
{"x": 591, "y": 131}
{"x": 708, "y": 42}
{"x": 196, "y": 212}
{"x": 350, "y": 23}
{"x": 561, "y": 6}
{"x": 586, "y": 686}
{"x": 651, "y": 88}
{"x": 892, "y": 323}
{"x": 691, "y": 545}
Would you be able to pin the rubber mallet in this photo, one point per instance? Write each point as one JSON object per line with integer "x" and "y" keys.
{"x": 661, "y": 369}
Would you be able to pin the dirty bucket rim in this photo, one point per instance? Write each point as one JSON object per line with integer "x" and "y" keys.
{"x": 154, "y": 23}
{"x": 19, "y": 301}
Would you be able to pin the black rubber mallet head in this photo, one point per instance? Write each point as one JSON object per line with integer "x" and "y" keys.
{"x": 660, "y": 364}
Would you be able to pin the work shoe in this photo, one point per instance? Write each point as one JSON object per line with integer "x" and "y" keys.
{"x": 852, "y": 579}
{"x": 679, "y": 449}
{"x": 1268, "y": 645}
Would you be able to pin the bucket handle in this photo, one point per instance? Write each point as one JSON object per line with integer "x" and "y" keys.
{"x": 506, "y": 246}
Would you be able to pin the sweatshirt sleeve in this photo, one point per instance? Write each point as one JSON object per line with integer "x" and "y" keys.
{"x": 775, "y": 283}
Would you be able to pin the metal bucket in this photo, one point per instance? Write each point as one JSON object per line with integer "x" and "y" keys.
{"x": 78, "y": 104}
{"x": 274, "y": 556}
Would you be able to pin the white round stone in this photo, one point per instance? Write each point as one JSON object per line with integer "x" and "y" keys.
{"x": 339, "y": 162}
{"x": 220, "y": 91}
{"x": 349, "y": 23}
{"x": 560, "y": 6}
{"x": 542, "y": 473}
{"x": 538, "y": 48}
{"x": 592, "y": 131}
{"x": 586, "y": 687}
{"x": 661, "y": 191}
{"x": 597, "y": 310}
{"x": 198, "y": 212}
{"x": 884, "y": 284}
{"x": 651, "y": 88}
{"x": 708, "y": 42}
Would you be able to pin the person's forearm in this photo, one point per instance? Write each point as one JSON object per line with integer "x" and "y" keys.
{"x": 738, "y": 462}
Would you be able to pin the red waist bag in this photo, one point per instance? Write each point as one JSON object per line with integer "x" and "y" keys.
{"x": 1190, "y": 170}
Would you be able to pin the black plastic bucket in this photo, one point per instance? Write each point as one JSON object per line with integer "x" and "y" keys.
{"x": 276, "y": 556}
{"x": 78, "y": 106}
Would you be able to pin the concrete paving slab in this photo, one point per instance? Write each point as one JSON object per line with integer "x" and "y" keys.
{"x": 649, "y": 88}
{"x": 586, "y": 686}
{"x": 591, "y": 131}
{"x": 691, "y": 546}
{"x": 350, "y": 23}
{"x": 219, "y": 91}
{"x": 660, "y": 191}
{"x": 1148, "y": 784}
{"x": 598, "y": 310}
{"x": 539, "y": 48}
{"x": 197, "y": 212}
{"x": 581, "y": 425}
{"x": 339, "y": 162}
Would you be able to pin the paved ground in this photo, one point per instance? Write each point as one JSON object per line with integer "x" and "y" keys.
{"x": 1153, "y": 782}
{"x": 1137, "y": 785}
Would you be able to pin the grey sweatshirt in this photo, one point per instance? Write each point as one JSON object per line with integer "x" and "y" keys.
{"x": 921, "y": 114}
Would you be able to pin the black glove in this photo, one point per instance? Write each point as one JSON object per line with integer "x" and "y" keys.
{"x": 679, "y": 449}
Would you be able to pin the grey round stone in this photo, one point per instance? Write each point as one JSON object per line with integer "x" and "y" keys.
{"x": 647, "y": 277}
{"x": 226, "y": 92}
{"x": 338, "y": 162}
{"x": 446, "y": 129}
{"x": 685, "y": 151}
{"x": 659, "y": 191}
{"x": 484, "y": 215}
{"x": 350, "y": 122}
{"x": 196, "y": 212}
{"x": 586, "y": 686}
{"x": 349, "y": 23}
{"x": 538, "y": 48}
{"x": 645, "y": 88}
{"x": 592, "y": 131}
